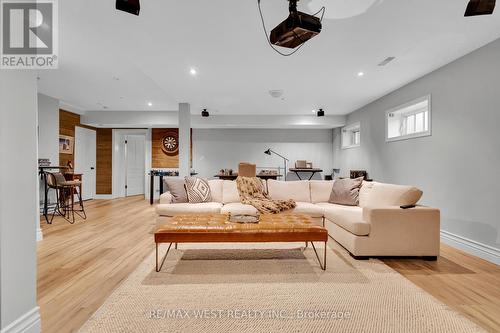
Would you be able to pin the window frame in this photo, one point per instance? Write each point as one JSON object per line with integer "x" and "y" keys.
{"x": 428, "y": 132}
{"x": 350, "y": 128}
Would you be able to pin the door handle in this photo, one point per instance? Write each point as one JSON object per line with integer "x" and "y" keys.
{"x": 91, "y": 168}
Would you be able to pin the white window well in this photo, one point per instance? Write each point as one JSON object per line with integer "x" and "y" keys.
{"x": 410, "y": 120}
{"x": 351, "y": 136}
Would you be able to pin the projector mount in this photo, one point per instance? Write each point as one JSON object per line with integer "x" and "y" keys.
{"x": 295, "y": 30}
{"x": 292, "y": 6}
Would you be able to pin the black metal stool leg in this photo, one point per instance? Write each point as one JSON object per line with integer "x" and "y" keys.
{"x": 80, "y": 201}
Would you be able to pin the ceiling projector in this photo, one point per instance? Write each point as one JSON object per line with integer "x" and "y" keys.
{"x": 296, "y": 29}
{"x": 480, "y": 7}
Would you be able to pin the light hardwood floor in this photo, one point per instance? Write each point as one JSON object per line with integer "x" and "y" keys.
{"x": 80, "y": 265}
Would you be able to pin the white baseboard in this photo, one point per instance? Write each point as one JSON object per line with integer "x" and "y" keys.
{"x": 39, "y": 234}
{"x": 103, "y": 197}
{"x": 28, "y": 323}
{"x": 480, "y": 250}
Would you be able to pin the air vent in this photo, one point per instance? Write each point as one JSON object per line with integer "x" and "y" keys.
{"x": 386, "y": 61}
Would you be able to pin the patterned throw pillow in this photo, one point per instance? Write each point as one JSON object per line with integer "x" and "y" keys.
{"x": 197, "y": 190}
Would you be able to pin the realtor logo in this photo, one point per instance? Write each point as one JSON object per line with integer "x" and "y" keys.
{"x": 29, "y": 34}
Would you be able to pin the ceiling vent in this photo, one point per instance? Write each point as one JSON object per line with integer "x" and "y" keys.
{"x": 386, "y": 61}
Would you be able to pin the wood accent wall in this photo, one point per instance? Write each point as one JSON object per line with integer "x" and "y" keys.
{"x": 104, "y": 166}
{"x": 158, "y": 158}
{"x": 67, "y": 123}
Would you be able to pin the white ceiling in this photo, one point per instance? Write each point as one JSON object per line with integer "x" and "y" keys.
{"x": 151, "y": 55}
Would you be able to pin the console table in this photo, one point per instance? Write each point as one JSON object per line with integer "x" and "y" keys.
{"x": 160, "y": 174}
{"x": 312, "y": 171}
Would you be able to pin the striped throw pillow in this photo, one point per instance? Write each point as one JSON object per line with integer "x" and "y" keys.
{"x": 197, "y": 190}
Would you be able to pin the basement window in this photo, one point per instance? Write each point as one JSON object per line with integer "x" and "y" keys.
{"x": 410, "y": 120}
{"x": 351, "y": 136}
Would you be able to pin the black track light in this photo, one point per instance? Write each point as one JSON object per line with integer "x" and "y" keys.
{"x": 320, "y": 113}
{"x": 205, "y": 113}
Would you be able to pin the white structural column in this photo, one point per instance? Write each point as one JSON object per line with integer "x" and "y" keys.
{"x": 184, "y": 139}
{"x": 19, "y": 212}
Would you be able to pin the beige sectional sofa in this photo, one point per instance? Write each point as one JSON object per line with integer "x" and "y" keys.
{"x": 376, "y": 227}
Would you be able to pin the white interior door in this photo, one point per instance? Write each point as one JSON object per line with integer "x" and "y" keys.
{"x": 85, "y": 160}
{"x": 135, "y": 146}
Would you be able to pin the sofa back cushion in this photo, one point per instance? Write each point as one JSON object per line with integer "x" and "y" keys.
{"x": 375, "y": 194}
{"x": 296, "y": 190}
{"x": 230, "y": 192}
{"x": 216, "y": 189}
{"x": 320, "y": 190}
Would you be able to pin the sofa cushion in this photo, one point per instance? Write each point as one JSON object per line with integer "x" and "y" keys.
{"x": 216, "y": 189}
{"x": 364, "y": 193}
{"x": 306, "y": 208}
{"x": 320, "y": 190}
{"x": 348, "y": 217}
{"x": 230, "y": 192}
{"x": 381, "y": 194}
{"x": 235, "y": 208}
{"x": 296, "y": 190}
{"x": 188, "y": 208}
{"x": 346, "y": 191}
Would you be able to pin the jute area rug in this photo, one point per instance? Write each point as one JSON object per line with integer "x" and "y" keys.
{"x": 270, "y": 288}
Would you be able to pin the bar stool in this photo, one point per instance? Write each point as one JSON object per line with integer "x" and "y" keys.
{"x": 65, "y": 197}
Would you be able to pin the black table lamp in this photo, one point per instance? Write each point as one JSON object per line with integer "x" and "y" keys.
{"x": 269, "y": 151}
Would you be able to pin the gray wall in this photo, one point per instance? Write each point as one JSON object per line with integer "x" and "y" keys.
{"x": 18, "y": 200}
{"x": 48, "y": 128}
{"x": 215, "y": 149}
{"x": 458, "y": 167}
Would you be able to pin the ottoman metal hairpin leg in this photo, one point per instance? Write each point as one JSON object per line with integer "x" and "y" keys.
{"x": 164, "y": 257}
{"x": 323, "y": 266}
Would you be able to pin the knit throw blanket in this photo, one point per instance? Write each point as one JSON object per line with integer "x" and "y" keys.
{"x": 252, "y": 193}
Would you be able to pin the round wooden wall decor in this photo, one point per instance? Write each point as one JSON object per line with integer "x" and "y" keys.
{"x": 170, "y": 144}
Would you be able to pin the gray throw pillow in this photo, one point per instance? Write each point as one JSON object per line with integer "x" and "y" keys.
{"x": 177, "y": 188}
{"x": 346, "y": 191}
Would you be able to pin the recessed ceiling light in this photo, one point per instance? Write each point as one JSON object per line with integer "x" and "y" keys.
{"x": 193, "y": 71}
{"x": 313, "y": 111}
{"x": 150, "y": 104}
{"x": 361, "y": 74}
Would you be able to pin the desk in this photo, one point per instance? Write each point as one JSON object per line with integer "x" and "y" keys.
{"x": 234, "y": 176}
{"x": 227, "y": 177}
{"x": 312, "y": 171}
{"x": 42, "y": 171}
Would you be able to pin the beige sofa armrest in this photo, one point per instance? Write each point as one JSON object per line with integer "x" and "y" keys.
{"x": 394, "y": 214}
{"x": 396, "y": 231}
{"x": 166, "y": 198}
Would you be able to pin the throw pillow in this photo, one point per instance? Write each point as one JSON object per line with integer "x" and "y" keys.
{"x": 177, "y": 188}
{"x": 346, "y": 191}
{"x": 197, "y": 190}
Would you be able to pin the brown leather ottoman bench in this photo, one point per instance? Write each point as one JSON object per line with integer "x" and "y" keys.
{"x": 216, "y": 228}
